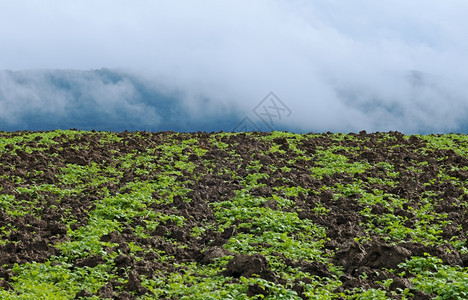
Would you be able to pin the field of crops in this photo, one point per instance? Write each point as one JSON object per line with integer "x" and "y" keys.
{"x": 139, "y": 215}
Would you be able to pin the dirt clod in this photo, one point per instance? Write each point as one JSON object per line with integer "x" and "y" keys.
{"x": 247, "y": 265}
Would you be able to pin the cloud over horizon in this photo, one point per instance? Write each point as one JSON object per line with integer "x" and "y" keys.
{"x": 338, "y": 65}
{"x": 97, "y": 99}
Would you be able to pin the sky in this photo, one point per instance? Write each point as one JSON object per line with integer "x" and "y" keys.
{"x": 305, "y": 66}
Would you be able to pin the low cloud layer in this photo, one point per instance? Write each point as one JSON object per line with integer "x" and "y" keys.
{"x": 98, "y": 99}
{"x": 337, "y": 65}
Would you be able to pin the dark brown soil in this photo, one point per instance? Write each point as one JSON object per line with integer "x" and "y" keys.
{"x": 36, "y": 233}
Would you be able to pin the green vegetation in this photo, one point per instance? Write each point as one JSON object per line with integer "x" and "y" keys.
{"x": 95, "y": 215}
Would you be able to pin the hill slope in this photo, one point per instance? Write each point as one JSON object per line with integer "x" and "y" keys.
{"x": 232, "y": 215}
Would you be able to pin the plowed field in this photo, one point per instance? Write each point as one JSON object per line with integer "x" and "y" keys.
{"x": 139, "y": 215}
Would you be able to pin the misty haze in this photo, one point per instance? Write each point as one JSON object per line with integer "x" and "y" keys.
{"x": 340, "y": 67}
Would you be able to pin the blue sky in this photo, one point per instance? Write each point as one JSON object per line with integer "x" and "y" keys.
{"x": 205, "y": 65}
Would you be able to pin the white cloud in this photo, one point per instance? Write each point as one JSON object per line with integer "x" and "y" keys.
{"x": 71, "y": 96}
{"x": 311, "y": 54}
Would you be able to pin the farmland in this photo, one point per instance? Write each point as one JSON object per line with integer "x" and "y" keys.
{"x": 167, "y": 215}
